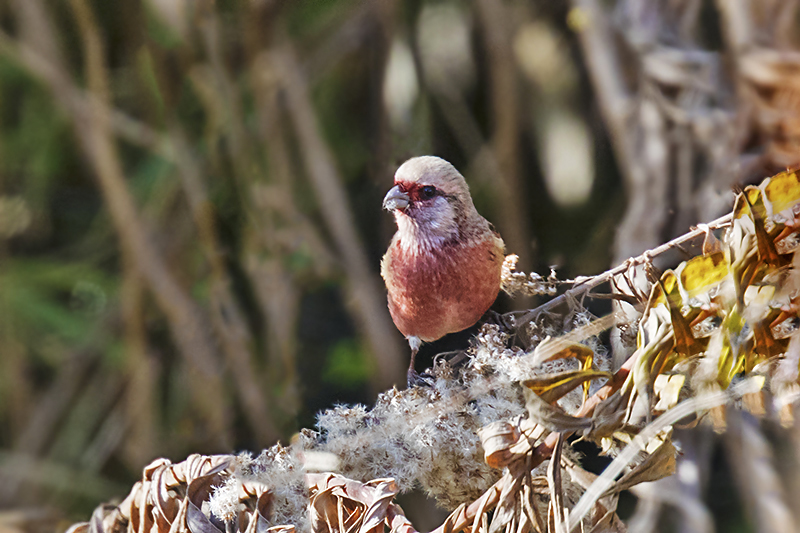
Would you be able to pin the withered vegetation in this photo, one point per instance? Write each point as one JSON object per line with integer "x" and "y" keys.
{"x": 489, "y": 438}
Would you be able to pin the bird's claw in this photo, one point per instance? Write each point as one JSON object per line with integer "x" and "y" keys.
{"x": 506, "y": 322}
{"x": 413, "y": 379}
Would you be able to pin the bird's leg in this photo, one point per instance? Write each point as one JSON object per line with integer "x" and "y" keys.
{"x": 412, "y": 378}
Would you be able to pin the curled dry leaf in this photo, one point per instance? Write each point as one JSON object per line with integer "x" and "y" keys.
{"x": 656, "y": 465}
{"x": 338, "y": 504}
{"x": 553, "y": 417}
{"x": 168, "y": 498}
{"x": 558, "y": 348}
{"x": 551, "y": 387}
{"x": 497, "y": 439}
{"x": 174, "y": 498}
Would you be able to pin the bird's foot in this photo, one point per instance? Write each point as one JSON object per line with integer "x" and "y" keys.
{"x": 506, "y": 322}
{"x": 413, "y": 379}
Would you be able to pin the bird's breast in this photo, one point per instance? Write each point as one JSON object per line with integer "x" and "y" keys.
{"x": 444, "y": 290}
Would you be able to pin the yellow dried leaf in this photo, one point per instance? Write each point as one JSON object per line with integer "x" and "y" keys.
{"x": 558, "y": 348}
{"x": 685, "y": 343}
{"x": 703, "y": 272}
{"x": 782, "y": 190}
{"x": 551, "y": 387}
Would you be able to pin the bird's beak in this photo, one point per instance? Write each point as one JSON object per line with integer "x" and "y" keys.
{"x": 395, "y": 199}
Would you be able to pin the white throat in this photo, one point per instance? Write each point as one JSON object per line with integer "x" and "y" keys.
{"x": 418, "y": 238}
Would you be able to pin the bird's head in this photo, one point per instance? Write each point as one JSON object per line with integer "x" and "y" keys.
{"x": 431, "y": 201}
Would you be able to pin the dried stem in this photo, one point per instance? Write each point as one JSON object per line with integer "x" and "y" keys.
{"x": 142, "y": 408}
{"x": 557, "y": 520}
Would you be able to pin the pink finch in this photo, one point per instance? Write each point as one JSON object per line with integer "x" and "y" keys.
{"x": 442, "y": 269}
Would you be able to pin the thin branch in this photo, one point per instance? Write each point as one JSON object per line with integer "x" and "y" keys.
{"x": 362, "y": 285}
{"x": 585, "y": 285}
{"x": 144, "y": 438}
{"x": 45, "y": 418}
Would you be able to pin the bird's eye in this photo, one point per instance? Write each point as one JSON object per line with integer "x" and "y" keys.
{"x": 427, "y": 192}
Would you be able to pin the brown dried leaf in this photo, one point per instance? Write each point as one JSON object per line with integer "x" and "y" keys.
{"x": 557, "y": 522}
{"x": 603, "y": 517}
{"x": 507, "y": 507}
{"x": 711, "y": 245}
{"x": 398, "y": 523}
{"x": 609, "y": 415}
{"x": 656, "y": 465}
{"x": 380, "y": 497}
{"x": 338, "y": 504}
{"x": 685, "y": 343}
{"x": 198, "y": 492}
{"x": 758, "y": 212}
{"x": 169, "y": 499}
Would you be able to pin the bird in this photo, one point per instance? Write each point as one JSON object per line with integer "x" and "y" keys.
{"x": 443, "y": 266}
